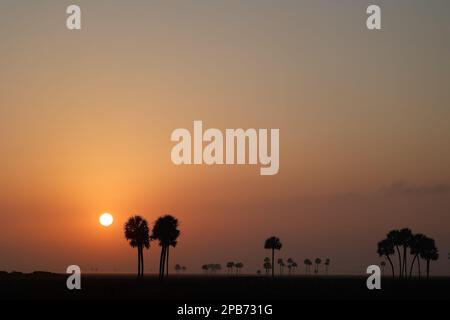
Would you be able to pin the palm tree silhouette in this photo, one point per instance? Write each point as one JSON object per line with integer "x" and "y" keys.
{"x": 137, "y": 234}
{"x": 429, "y": 253}
{"x": 317, "y": 262}
{"x": 281, "y": 264}
{"x": 308, "y": 264}
{"x": 205, "y": 268}
{"x": 166, "y": 231}
{"x": 183, "y": 268}
{"x": 394, "y": 237}
{"x": 405, "y": 239}
{"x": 239, "y": 266}
{"x": 230, "y": 266}
{"x": 385, "y": 249}
{"x": 273, "y": 243}
{"x": 267, "y": 265}
{"x": 416, "y": 246}
{"x": 177, "y": 268}
{"x": 327, "y": 264}
{"x": 294, "y": 266}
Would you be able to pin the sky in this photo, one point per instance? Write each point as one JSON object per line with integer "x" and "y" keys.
{"x": 86, "y": 118}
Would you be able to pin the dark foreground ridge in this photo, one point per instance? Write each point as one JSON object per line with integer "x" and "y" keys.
{"x": 43, "y": 285}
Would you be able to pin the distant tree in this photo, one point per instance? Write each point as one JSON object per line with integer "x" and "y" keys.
{"x": 177, "y": 268}
{"x": 294, "y": 266}
{"x": 230, "y": 266}
{"x": 273, "y": 243}
{"x": 281, "y": 264}
{"x": 137, "y": 234}
{"x": 308, "y": 264}
{"x": 386, "y": 249}
{"x": 239, "y": 266}
{"x": 183, "y": 268}
{"x": 318, "y": 261}
{"x": 267, "y": 265}
{"x": 166, "y": 231}
{"x": 205, "y": 268}
{"x": 327, "y": 265}
{"x": 258, "y": 272}
{"x": 429, "y": 253}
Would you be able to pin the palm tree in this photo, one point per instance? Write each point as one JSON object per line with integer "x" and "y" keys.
{"x": 230, "y": 266}
{"x": 394, "y": 237}
{"x": 239, "y": 266}
{"x": 385, "y": 249}
{"x": 294, "y": 266}
{"x": 281, "y": 264}
{"x": 308, "y": 264}
{"x": 317, "y": 262}
{"x": 429, "y": 253}
{"x": 405, "y": 239}
{"x": 327, "y": 264}
{"x": 273, "y": 243}
{"x": 137, "y": 234}
{"x": 183, "y": 268}
{"x": 267, "y": 265}
{"x": 205, "y": 268}
{"x": 416, "y": 246}
{"x": 166, "y": 231}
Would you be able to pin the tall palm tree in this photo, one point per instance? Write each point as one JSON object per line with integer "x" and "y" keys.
{"x": 386, "y": 249}
{"x": 405, "y": 237}
{"x": 327, "y": 264}
{"x": 317, "y": 262}
{"x": 137, "y": 234}
{"x": 273, "y": 243}
{"x": 394, "y": 237}
{"x": 281, "y": 264}
{"x": 416, "y": 246}
{"x": 429, "y": 253}
{"x": 166, "y": 231}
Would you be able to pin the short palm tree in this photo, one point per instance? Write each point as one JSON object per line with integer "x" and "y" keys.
{"x": 327, "y": 265}
{"x": 273, "y": 243}
{"x": 230, "y": 266}
{"x": 281, "y": 264}
{"x": 239, "y": 266}
{"x": 317, "y": 262}
{"x": 137, "y": 234}
{"x": 429, "y": 253}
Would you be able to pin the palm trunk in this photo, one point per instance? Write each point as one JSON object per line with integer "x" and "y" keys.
{"x": 167, "y": 263}
{"x": 161, "y": 263}
{"x": 428, "y": 269}
{"x": 139, "y": 262}
{"x": 142, "y": 262}
{"x": 412, "y": 265}
{"x": 404, "y": 262}
{"x": 399, "y": 261}
{"x": 392, "y": 266}
{"x": 418, "y": 265}
{"x": 273, "y": 265}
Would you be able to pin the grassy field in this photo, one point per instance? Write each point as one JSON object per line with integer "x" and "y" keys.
{"x": 200, "y": 287}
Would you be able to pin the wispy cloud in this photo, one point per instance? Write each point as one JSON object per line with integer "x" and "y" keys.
{"x": 405, "y": 188}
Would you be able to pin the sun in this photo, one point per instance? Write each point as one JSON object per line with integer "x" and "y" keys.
{"x": 106, "y": 219}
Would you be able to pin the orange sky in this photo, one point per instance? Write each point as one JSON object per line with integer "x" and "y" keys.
{"x": 86, "y": 118}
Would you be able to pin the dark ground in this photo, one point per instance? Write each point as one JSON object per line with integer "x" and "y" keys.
{"x": 218, "y": 288}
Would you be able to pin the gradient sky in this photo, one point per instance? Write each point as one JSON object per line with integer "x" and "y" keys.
{"x": 86, "y": 118}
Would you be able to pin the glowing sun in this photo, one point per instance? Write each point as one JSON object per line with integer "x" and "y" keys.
{"x": 106, "y": 219}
